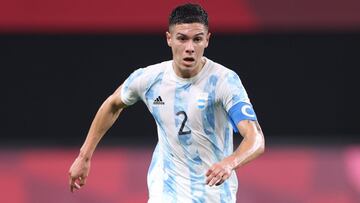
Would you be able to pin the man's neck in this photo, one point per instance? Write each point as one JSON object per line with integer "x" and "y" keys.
{"x": 189, "y": 74}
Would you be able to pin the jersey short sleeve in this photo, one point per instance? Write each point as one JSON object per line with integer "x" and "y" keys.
{"x": 231, "y": 91}
{"x": 131, "y": 89}
{"x": 235, "y": 100}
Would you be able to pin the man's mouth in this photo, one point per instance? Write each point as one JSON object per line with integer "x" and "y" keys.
{"x": 189, "y": 59}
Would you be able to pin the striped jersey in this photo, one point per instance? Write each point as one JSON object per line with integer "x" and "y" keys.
{"x": 193, "y": 126}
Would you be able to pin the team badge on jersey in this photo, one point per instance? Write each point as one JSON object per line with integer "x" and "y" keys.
{"x": 202, "y": 100}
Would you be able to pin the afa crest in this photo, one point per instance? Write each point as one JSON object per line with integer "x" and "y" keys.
{"x": 202, "y": 100}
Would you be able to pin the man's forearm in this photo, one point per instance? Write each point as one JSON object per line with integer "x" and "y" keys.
{"x": 249, "y": 149}
{"x": 104, "y": 119}
{"x": 251, "y": 146}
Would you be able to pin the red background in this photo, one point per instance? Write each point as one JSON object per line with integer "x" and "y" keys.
{"x": 281, "y": 175}
{"x": 120, "y": 16}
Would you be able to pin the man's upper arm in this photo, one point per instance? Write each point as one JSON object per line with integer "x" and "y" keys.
{"x": 116, "y": 99}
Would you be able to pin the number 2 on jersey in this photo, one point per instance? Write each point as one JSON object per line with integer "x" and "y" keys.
{"x": 181, "y": 132}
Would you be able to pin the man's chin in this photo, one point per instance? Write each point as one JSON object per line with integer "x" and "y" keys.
{"x": 187, "y": 68}
{"x": 189, "y": 64}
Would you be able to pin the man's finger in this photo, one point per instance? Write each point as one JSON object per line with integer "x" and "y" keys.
{"x": 72, "y": 187}
{"x": 212, "y": 169}
{"x": 212, "y": 175}
{"x": 77, "y": 186}
{"x": 82, "y": 181}
{"x": 209, "y": 172}
{"x": 216, "y": 179}
{"x": 209, "y": 178}
{"x": 71, "y": 183}
{"x": 74, "y": 184}
{"x": 220, "y": 182}
{"x": 224, "y": 177}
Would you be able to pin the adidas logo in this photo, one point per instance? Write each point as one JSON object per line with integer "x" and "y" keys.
{"x": 159, "y": 101}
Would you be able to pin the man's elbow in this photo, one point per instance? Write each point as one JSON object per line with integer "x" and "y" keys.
{"x": 261, "y": 144}
{"x": 261, "y": 149}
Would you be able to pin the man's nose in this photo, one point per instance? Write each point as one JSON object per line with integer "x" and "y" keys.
{"x": 189, "y": 47}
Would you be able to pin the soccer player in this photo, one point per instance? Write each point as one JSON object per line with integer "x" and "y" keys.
{"x": 196, "y": 103}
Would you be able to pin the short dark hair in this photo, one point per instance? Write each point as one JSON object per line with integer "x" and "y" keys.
{"x": 188, "y": 13}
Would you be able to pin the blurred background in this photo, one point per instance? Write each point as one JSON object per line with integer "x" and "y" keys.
{"x": 59, "y": 60}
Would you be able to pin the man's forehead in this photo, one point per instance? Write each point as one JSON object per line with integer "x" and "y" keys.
{"x": 188, "y": 28}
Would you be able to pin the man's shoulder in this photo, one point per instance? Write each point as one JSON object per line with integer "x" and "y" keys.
{"x": 219, "y": 69}
{"x": 151, "y": 70}
{"x": 159, "y": 65}
{"x": 156, "y": 68}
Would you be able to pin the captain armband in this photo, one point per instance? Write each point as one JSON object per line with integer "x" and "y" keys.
{"x": 241, "y": 111}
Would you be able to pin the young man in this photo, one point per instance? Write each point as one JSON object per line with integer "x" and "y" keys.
{"x": 196, "y": 104}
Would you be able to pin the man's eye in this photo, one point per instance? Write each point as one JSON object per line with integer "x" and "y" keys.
{"x": 182, "y": 38}
{"x": 197, "y": 39}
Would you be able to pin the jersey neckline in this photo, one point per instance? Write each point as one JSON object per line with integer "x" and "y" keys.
{"x": 188, "y": 80}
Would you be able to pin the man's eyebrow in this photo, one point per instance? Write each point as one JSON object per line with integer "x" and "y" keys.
{"x": 201, "y": 33}
{"x": 198, "y": 34}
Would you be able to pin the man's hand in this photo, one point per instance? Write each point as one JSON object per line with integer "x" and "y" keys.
{"x": 219, "y": 172}
{"x": 78, "y": 173}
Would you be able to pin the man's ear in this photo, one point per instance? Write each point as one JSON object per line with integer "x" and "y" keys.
{"x": 207, "y": 39}
{"x": 168, "y": 38}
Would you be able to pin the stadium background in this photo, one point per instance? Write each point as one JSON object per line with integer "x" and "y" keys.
{"x": 60, "y": 59}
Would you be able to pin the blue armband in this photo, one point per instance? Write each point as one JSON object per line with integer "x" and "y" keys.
{"x": 241, "y": 111}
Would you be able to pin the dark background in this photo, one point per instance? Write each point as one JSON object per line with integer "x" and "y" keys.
{"x": 304, "y": 86}
{"x": 59, "y": 60}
